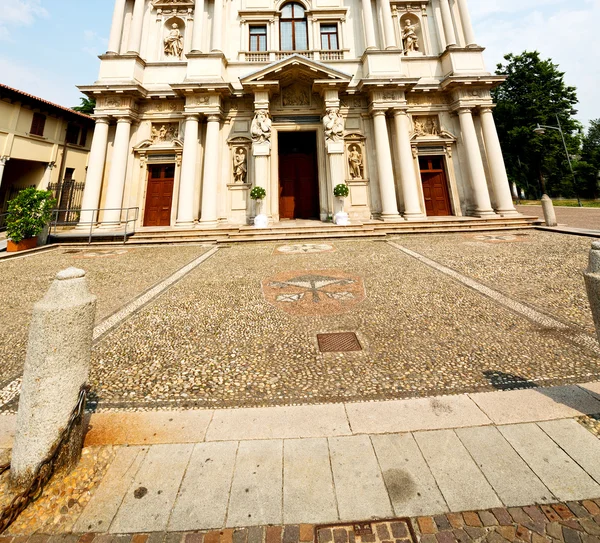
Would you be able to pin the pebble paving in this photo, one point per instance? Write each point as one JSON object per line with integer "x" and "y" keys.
{"x": 115, "y": 276}
{"x": 214, "y": 341}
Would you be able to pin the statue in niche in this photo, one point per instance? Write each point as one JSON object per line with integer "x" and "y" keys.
{"x": 410, "y": 40}
{"x": 432, "y": 126}
{"x": 334, "y": 125}
{"x": 174, "y": 42}
{"x": 261, "y": 127}
{"x": 355, "y": 162}
{"x": 240, "y": 165}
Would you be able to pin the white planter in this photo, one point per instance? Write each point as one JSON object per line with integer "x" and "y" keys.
{"x": 341, "y": 217}
{"x": 261, "y": 221}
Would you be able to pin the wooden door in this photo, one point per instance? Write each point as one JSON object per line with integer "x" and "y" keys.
{"x": 298, "y": 187}
{"x": 159, "y": 196}
{"x": 435, "y": 187}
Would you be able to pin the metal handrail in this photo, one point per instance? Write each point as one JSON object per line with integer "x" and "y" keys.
{"x": 94, "y": 221}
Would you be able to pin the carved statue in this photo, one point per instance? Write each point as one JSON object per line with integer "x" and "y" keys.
{"x": 420, "y": 128}
{"x": 261, "y": 127}
{"x": 355, "y": 162}
{"x": 174, "y": 42}
{"x": 240, "y": 165}
{"x": 166, "y": 133}
{"x": 410, "y": 40}
{"x": 334, "y": 125}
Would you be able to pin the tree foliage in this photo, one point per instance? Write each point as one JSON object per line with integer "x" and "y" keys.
{"x": 86, "y": 107}
{"x": 535, "y": 93}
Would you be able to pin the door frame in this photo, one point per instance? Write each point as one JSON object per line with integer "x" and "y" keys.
{"x": 323, "y": 177}
{"x": 173, "y": 199}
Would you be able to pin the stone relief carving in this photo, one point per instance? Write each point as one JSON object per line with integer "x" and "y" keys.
{"x": 333, "y": 123}
{"x": 355, "y": 162}
{"x": 261, "y": 127}
{"x": 240, "y": 165}
{"x": 174, "y": 42}
{"x": 426, "y": 126}
{"x": 166, "y": 133}
{"x": 160, "y": 106}
{"x": 410, "y": 40}
{"x": 426, "y": 99}
{"x": 295, "y": 95}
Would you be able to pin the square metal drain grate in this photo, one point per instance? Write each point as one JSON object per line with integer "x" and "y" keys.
{"x": 339, "y": 342}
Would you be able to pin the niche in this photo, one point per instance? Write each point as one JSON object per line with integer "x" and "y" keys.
{"x": 174, "y": 38}
{"x": 411, "y": 31}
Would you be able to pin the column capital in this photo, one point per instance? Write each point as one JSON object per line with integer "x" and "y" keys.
{"x": 191, "y": 116}
{"x": 400, "y": 111}
{"x": 124, "y": 119}
{"x": 378, "y": 112}
{"x": 213, "y": 117}
{"x": 4, "y": 160}
{"x": 51, "y": 165}
{"x": 486, "y": 109}
{"x": 463, "y": 110}
{"x": 102, "y": 119}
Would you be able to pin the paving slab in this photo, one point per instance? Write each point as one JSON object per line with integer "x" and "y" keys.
{"x": 557, "y": 470}
{"x": 149, "y": 427}
{"x": 149, "y": 500}
{"x": 594, "y": 388}
{"x": 308, "y": 493}
{"x": 580, "y": 444}
{"x": 256, "y": 491}
{"x": 204, "y": 494}
{"x": 530, "y": 405}
{"x": 511, "y": 478}
{"x": 359, "y": 485}
{"x": 461, "y": 482}
{"x": 413, "y": 415}
{"x": 8, "y": 425}
{"x": 279, "y": 423}
{"x": 102, "y": 508}
{"x": 409, "y": 481}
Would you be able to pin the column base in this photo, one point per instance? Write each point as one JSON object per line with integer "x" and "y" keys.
{"x": 208, "y": 223}
{"x": 414, "y": 217}
{"x": 391, "y": 217}
{"x": 508, "y": 213}
{"x": 184, "y": 224}
{"x": 109, "y": 226}
{"x": 484, "y": 214}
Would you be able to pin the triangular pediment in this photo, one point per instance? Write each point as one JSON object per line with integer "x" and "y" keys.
{"x": 295, "y": 68}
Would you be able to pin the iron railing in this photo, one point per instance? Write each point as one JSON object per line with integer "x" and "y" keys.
{"x": 68, "y": 193}
{"x": 91, "y": 218}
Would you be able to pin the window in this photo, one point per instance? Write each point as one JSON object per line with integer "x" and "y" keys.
{"x": 329, "y": 37}
{"x": 258, "y": 38}
{"x": 293, "y": 28}
{"x": 83, "y": 138}
{"x": 38, "y": 124}
{"x": 72, "y": 134}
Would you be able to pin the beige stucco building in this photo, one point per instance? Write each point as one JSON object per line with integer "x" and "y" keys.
{"x": 200, "y": 100}
{"x": 40, "y": 144}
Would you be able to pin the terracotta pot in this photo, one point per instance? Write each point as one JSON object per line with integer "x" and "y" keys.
{"x": 23, "y": 245}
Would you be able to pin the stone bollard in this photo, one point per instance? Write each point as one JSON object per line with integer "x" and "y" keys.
{"x": 592, "y": 283}
{"x": 56, "y": 367}
{"x": 548, "y": 209}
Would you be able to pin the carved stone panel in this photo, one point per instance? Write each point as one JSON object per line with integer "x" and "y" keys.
{"x": 426, "y": 125}
{"x": 296, "y": 95}
{"x": 164, "y": 133}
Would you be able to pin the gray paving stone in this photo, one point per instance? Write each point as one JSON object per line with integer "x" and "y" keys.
{"x": 593, "y": 388}
{"x": 256, "y": 491}
{"x": 580, "y": 444}
{"x": 359, "y": 486}
{"x": 204, "y": 494}
{"x": 409, "y": 481}
{"x": 308, "y": 493}
{"x": 509, "y": 475}
{"x": 149, "y": 500}
{"x": 7, "y": 430}
{"x": 462, "y": 484}
{"x": 102, "y": 508}
{"x": 552, "y": 465}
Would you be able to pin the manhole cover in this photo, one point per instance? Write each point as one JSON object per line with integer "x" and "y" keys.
{"x": 341, "y": 342}
{"x": 396, "y": 530}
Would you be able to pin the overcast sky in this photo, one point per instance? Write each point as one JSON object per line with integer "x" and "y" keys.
{"x": 49, "y": 46}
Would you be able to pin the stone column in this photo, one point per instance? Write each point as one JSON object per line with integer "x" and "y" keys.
{"x": 388, "y": 25}
{"x": 197, "y": 31}
{"x": 116, "y": 176}
{"x": 48, "y": 175}
{"x": 185, "y": 208}
{"x": 367, "y": 10}
{"x": 481, "y": 195}
{"x": 116, "y": 29}
{"x": 408, "y": 177}
{"x": 95, "y": 173}
{"x": 211, "y": 172}
{"x": 548, "y": 210}
{"x": 592, "y": 283}
{"x": 389, "y": 205}
{"x": 135, "y": 31}
{"x": 504, "y": 202}
{"x": 465, "y": 17}
{"x": 217, "y": 26}
{"x": 450, "y": 35}
{"x": 3, "y": 161}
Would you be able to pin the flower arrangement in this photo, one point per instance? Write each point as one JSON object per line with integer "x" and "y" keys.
{"x": 28, "y": 213}
{"x": 258, "y": 193}
{"x": 341, "y": 190}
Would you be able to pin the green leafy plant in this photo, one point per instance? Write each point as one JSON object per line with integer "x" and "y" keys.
{"x": 341, "y": 191}
{"x": 29, "y": 213}
{"x": 258, "y": 193}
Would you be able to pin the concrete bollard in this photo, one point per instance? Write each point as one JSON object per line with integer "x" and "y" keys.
{"x": 56, "y": 366}
{"x": 548, "y": 209}
{"x": 592, "y": 283}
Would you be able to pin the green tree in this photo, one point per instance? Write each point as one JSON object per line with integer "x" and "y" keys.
{"x": 86, "y": 107}
{"x": 535, "y": 92}
{"x": 588, "y": 168}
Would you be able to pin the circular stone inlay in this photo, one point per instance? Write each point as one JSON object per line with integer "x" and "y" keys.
{"x": 314, "y": 292}
{"x": 301, "y": 248}
{"x": 101, "y": 253}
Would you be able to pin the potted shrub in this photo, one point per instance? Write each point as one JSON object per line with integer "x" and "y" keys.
{"x": 258, "y": 194}
{"x": 341, "y": 191}
{"x": 28, "y": 215}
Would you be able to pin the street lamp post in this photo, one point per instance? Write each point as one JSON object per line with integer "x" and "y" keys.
{"x": 541, "y": 130}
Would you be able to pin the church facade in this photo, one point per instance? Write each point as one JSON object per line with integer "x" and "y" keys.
{"x": 198, "y": 101}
